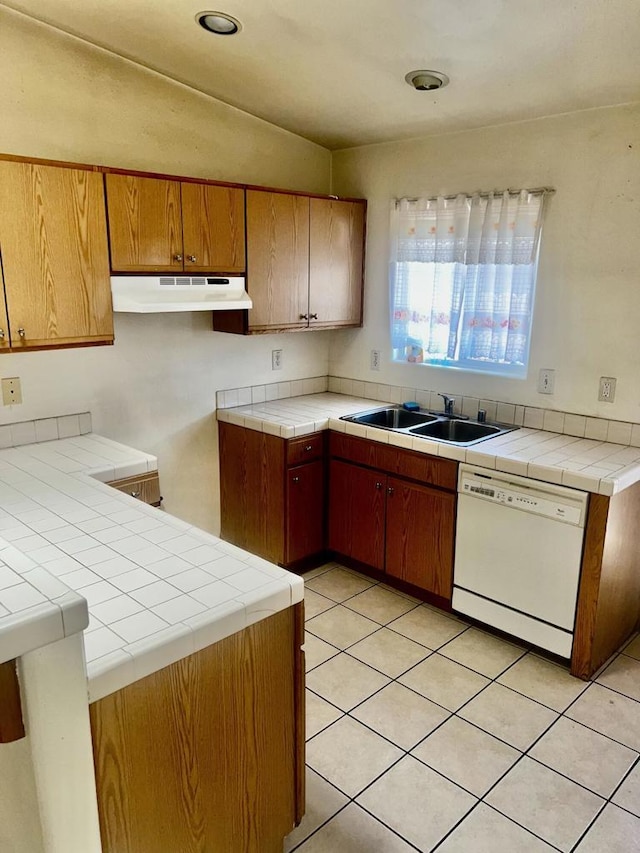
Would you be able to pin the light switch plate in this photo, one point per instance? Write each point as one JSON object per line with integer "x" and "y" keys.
{"x": 11, "y": 391}
{"x": 276, "y": 359}
{"x": 546, "y": 381}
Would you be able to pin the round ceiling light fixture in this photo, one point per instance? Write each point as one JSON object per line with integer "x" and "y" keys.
{"x": 426, "y": 81}
{"x": 219, "y": 23}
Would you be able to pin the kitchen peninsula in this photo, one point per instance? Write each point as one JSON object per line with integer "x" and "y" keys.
{"x": 187, "y": 691}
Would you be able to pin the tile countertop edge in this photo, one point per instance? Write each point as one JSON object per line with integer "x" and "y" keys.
{"x": 61, "y": 611}
{"x": 292, "y": 417}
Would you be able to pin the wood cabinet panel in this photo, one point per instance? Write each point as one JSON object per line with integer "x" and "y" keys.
{"x": 357, "y": 513}
{"x": 213, "y": 228}
{"x": 305, "y": 511}
{"x": 11, "y": 725}
{"x": 252, "y": 490}
{"x": 394, "y": 460}
{"x": 202, "y": 756}
{"x": 145, "y": 224}
{"x": 420, "y": 529}
{"x": 53, "y": 241}
{"x": 305, "y": 449}
{"x": 145, "y": 487}
{"x": 277, "y": 259}
{"x": 336, "y": 249}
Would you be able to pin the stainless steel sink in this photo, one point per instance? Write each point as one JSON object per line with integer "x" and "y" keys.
{"x": 436, "y": 427}
{"x": 392, "y": 417}
{"x": 457, "y": 432}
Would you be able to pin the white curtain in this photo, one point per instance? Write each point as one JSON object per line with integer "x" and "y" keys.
{"x": 463, "y": 278}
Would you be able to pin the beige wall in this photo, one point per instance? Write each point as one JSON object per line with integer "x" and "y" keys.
{"x": 587, "y": 315}
{"x": 155, "y": 389}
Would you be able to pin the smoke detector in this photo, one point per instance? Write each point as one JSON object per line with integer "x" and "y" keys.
{"x": 426, "y": 81}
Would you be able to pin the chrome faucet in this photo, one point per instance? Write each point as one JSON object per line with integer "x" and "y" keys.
{"x": 448, "y": 403}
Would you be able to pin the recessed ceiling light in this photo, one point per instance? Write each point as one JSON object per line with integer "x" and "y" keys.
{"x": 426, "y": 81}
{"x": 219, "y": 23}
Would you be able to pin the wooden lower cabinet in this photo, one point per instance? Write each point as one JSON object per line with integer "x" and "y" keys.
{"x": 420, "y": 529}
{"x": 272, "y": 494}
{"x": 357, "y": 499}
{"x": 207, "y": 755}
{"x": 389, "y": 523}
{"x": 144, "y": 487}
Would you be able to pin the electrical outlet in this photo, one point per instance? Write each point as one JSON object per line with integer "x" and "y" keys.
{"x": 375, "y": 359}
{"x": 276, "y": 359}
{"x": 607, "y": 389}
{"x": 11, "y": 391}
{"x": 546, "y": 381}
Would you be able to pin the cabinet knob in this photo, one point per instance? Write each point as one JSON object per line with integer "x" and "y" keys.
{"x": 304, "y": 316}
{"x": 295, "y": 479}
{"x": 192, "y": 259}
{"x": 22, "y": 332}
{"x": 378, "y": 485}
{"x": 135, "y": 494}
{"x": 390, "y": 490}
{"x": 1, "y": 334}
{"x": 309, "y": 448}
{"x": 313, "y": 316}
{"x": 177, "y": 257}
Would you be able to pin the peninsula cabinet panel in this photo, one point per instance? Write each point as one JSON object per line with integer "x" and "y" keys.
{"x": 204, "y": 756}
{"x": 336, "y": 252}
{"x": 277, "y": 260}
{"x": 213, "y": 228}
{"x": 145, "y": 224}
{"x": 55, "y": 260}
{"x": 420, "y": 529}
{"x": 357, "y": 513}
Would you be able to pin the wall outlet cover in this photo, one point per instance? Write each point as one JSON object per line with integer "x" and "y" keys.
{"x": 607, "y": 389}
{"x": 11, "y": 391}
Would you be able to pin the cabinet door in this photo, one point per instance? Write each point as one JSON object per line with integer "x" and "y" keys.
{"x": 420, "y": 526}
{"x": 356, "y": 513}
{"x": 277, "y": 260}
{"x": 305, "y": 511}
{"x": 213, "y": 228}
{"x": 335, "y": 262}
{"x": 53, "y": 239}
{"x": 145, "y": 224}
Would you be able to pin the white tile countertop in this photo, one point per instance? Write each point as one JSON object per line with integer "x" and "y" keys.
{"x": 594, "y": 466}
{"x": 149, "y": 588}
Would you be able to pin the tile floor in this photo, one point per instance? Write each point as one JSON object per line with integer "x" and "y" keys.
{"x": 424, "y": 733}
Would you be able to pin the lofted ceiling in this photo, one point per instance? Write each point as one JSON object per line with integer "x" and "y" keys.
{"x": 333, "y": 70}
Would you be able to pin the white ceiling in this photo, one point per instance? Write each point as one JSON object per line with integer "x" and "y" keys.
{"x": 333, "y": 70}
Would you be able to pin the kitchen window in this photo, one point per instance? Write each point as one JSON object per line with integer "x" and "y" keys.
{"x": 463, "y": 273}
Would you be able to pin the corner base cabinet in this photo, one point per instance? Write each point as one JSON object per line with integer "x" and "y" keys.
{"x": 272, "y": 494}
{"x": 207, "y": 754}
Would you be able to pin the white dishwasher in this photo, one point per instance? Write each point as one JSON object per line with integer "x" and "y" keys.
{"x": 518, "y": 554}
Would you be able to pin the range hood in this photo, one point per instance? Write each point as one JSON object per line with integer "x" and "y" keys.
{"x": 149, "y": 294}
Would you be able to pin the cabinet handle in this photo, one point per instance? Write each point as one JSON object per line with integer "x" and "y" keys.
{"x": 192, "y": 259}
{"x": 177, "y": 257}
{"x": 304, "y": 316}
{"x": 22, "y": 332}
{"x": 295, "y": 479}
{"x": 313, "y": 316}
{"x": 1, "y": 334}
{"x": 390, "y": 490}
{"x": 309, "y": 448}
{"x": 378, "y": 485}
{"x": 135, "y": 494}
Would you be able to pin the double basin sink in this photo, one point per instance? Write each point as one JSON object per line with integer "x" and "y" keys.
{"x": 453, "y": 429}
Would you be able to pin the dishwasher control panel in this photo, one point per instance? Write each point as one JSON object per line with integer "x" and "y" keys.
{"x": 528, "y": 500}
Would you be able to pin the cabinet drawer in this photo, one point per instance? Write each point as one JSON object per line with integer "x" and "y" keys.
{"x": 145, "y": 487}
{"x": 393, "y": 460}
{"x": 305, "y": 449}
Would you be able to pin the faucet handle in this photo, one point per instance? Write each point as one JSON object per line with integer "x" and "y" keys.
{"x": 448, "y": 403}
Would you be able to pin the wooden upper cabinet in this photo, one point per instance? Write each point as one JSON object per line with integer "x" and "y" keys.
{"x": 213, "y": 228}
{"x": 53, "y": 239}
{"x": 336, "y": 251}
{"x": 145, "y": 224}
{"x": 277, "y": 260}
